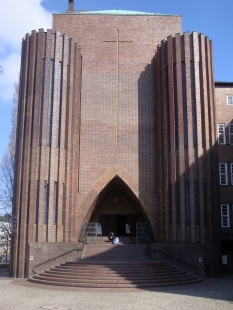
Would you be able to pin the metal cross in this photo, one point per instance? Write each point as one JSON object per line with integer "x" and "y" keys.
{"x": 118, "y": 41}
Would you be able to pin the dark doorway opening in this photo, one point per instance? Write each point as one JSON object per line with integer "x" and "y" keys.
{"x": 121, "y": 221}
{"x": 227, "y": 257}
{"x": 117, "y": 205}
{"x": 117, "y": 224}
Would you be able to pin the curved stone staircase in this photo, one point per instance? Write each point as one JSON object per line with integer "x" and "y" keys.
{"x": 115, "y": 266}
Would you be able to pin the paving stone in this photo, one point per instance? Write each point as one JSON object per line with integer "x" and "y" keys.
{"x": 212, "y": 294}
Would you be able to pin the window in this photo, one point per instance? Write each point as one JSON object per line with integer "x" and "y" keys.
{"x": 50, "y": 109}
{"x": 187, "y": 204}
{"x": 230, "y": 99}
{"x": 42, "y": 103}
{"x": 223, "y": 174}
{"x": 225, "y": 219}
{"x": 194, "y": 121}
{"x": 170, "y": 204}
{"x": 37, "y": 200}
{"x": 230, "y": 134}
{"x": 58, "y": 105}
{"x": 46, "y": 197}
{"x": 221, "y": 134}
{"x": 205, "y": 211}
{"x": 55, "y": 204}
{"x": 63, "y": 204}
{"x": 176, "y": 107}
{"x": 178, "y": 214}
{"x": 168, "y": 111}
{"x": 67, "y": 110}
{"x": 231, "y": 173}
{"x": 196, "y": 200}
{"x": 185, "y": 112}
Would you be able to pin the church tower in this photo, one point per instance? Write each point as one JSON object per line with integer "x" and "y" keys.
{"x": 116, "y": 124}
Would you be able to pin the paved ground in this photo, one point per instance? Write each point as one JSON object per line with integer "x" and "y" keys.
{"x": 18, "y": 294}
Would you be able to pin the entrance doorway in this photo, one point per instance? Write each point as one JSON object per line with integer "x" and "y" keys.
{"x": 116, "y": 223}
{"x": 227, "y": 257}
{"x": 115, "y": 206}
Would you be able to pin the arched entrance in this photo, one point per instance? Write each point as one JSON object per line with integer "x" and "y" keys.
{"x": 117, "y": 205}
{"x": 116, "y": 198}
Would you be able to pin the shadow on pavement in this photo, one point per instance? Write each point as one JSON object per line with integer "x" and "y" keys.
{"x": 4, "y": 271}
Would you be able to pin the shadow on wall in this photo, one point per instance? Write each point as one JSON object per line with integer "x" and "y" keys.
{"x": 185, "y": 196}
{"x": 146, "y": 143}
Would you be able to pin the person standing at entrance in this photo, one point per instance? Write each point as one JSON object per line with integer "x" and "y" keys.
{"x": 127, "y": 228}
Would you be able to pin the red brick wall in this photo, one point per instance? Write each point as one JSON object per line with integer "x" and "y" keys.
{"x": 93, "y": 141}
{"x": 180, "y": 164}
{"x": 193, "y": 254}
{"x": 135, "y": 132}
{"x": 38, "y": 160}
{"x": 225, "y": 116}
{"x": 113, "y": 121}
{"x": 45, "y": 255}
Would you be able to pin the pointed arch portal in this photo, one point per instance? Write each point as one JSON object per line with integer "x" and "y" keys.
{"x": 114, "y": 200}
{"x": 115, "y": 206}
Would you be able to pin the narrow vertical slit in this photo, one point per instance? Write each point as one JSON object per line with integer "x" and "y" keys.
{"x": 185, "y": 116}
{"x": 178, "y": 203}
{"x": 42, "y": 103}
{"x": 59, "y": 99}
{"x": 37, "y": 201}
{"x": 176, "y": 106}
{"x": 187, "y": 204}
{"x": 196, "y": 197}
{"x": 55, "y": 193}
{"x": 51, "y": 94}
{"x": 194, "y": 121}
{"x": 46, "y": 198}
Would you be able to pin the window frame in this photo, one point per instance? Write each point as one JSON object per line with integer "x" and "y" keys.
{"x": 231, "y": 98}
{"x": 51, "y": 98}
{"x": 46, "y": 201}
{"x": 55, "y": 202}
{"x": 221, "y": 174}
{"x": 37, "y": 201}
{"x": 230, "y": 132}
{"x": 231, "y": 165}
{"x": 225, "y": 217}
{"x": 221, "y": 134}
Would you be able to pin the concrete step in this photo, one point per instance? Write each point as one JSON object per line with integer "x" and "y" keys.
{"x": 114, "y": 273}
{"x": 109, "y": 252}
{"x": 118, "y": 270}
{"x": 107, "y": 280}
{"x": 108, "y": 277}
{"x": 116, "y": 284}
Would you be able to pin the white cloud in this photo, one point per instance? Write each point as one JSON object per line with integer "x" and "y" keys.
{"x": 20, "y": 17}
{"x": 17, "y": 17}
{"x": 10, "y": 65}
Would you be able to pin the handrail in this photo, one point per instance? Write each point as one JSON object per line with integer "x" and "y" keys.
{"x": 53, "y": 259}
{"x": 176, "y": 258}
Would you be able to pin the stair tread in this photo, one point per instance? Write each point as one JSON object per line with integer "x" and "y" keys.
{"x": 110, "y": 278}
{"x": 111, "y": 266}
{"x": 114, "y": 280}
{"x": 115, "y": 285}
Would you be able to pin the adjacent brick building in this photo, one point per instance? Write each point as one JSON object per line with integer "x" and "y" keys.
{"x": 117, "y": 122}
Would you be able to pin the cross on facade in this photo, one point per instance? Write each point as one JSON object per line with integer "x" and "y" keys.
{"x": 118, "y": 41}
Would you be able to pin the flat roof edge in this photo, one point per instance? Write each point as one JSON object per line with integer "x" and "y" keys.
{"x": 114, "y": 13}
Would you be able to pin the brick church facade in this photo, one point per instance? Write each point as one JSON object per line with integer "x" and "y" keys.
{"x": 120, "y": 119}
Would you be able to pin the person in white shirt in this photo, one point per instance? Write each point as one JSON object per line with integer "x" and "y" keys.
{"x": 127, "y": 228}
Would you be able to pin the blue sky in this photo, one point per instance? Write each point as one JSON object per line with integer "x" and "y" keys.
{"x": 214, "y": 18}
